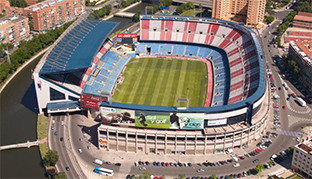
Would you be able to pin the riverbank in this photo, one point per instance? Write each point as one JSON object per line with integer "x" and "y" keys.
{"x": 42, "y": 132}
{"x": 7, "y": 81}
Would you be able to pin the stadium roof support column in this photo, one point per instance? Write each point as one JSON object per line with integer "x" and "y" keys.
{"x": 195, "y": 147}
{"x": 254, "y": 129}
{"x": 136, "y": 142}
{"x": 185, "y": 144}
{"x": 116, "y": 139}
{"x": 248, "y": 139}
{"x": 107, "y": 138}
{"x": 224, "y": 140}
{"x": 146, "y": 143}
{"x": 98, "y": 134}
{"x": 241, "y": 140}
{"x": 166, "y": 143}
{"x": 156, "y": 143}
{"x": 215, "y": 143}
{"x": 126, "y": 141}
{"x": 205, "y": 146}
{"x": 175, "y": 144}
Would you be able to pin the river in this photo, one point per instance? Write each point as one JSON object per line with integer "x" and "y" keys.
{"x": 18, "y": 115}
{"x": 18, "y": 124}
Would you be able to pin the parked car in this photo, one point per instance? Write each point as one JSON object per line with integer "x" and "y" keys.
{"x": 200, "y": 170}
{"x": 236, "y": 165}
{"x": 255, "y": 161}
{"x": 142, "y": 168}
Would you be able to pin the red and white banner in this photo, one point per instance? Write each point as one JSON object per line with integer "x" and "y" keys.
{"x": 90, "y": 101}
{"x": 127, "y": 36}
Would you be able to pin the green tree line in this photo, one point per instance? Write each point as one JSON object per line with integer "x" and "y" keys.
{"x": 28, "y": 49}
{"x": 126, "y": 3}
{"x": 184, "y": 7}
{"x": 304, "y": 6}
{"x": 98, "y": 14}
{"x": 18, "y": 3}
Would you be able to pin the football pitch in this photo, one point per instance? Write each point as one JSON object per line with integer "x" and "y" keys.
{"x": 161, "y": 81}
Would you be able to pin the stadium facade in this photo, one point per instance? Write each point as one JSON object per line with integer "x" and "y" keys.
{"x": 84, "y": 76}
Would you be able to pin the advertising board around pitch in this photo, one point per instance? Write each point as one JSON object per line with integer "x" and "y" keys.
{"x": 186, "y": 121}
{"x": 117, "y": 116}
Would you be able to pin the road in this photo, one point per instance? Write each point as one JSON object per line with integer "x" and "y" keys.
{"x": 60, "y": 142}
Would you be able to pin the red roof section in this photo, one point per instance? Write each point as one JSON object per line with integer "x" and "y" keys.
{"x": 304, "y": 16}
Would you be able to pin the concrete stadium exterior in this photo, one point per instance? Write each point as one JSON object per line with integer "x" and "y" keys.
{"x": 245, "y": 117}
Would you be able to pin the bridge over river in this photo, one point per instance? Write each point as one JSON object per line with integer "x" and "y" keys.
{"x": 20, "y": 145}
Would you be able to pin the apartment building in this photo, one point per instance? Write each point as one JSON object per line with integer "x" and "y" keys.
{"x": 302, "y": 159}
{"x": 301, "y": 52}
{"x": 13, "y": 29}
{"x": 47, "y": 14}
{"x": 50, "y": 13}
{"x": 249, "y": 11}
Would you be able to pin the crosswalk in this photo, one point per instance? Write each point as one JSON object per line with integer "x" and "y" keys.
{"x": 291, "y": 133}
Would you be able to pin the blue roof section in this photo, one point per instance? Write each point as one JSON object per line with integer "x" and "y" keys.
{"x": 77, "y": 49}
{"x": 63, "y": 105}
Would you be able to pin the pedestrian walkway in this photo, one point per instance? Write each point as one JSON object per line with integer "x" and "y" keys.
{"x": 291, "y": 133}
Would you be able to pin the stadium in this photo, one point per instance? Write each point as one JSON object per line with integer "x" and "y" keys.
{"x": 182, "y": 85}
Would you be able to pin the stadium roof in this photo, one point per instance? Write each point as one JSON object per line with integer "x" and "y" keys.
{"x": 76, "y": 50}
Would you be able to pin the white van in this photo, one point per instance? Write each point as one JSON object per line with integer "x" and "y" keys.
{"x": 301, "y": 102}
{"x": 273, "y": 157}
{"x": 98, "y": 161}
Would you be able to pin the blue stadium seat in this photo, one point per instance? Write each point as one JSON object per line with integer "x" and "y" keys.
{"x": 203, "y": 52}
{"x": 191, "y": 50}
{"x": 141, "y": 48}
{"x": 165, "y": 48}
{"x": 178, "y": 49}
{"x": 215, "y": 54}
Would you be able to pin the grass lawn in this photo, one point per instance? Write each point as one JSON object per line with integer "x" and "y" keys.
{"x": 42, "y": 126}
{"x": 294, "y": 177}
{"x": 188, "y": 13}
{"x": 161, "y": 81}
{"x": 42, "y": 131}
{"x": 43, "y": 149}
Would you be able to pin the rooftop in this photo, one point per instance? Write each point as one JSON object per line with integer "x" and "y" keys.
{"x": 304, "y": 48}
{"x": 304, "y": 17}
{"x": 307, "y": 147}
{"x": 77, "y": 49}
{"x": 9, "y": 20}
{"x": 44, "y": 4}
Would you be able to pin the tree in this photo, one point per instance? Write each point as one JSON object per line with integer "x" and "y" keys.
{"x": 259, "y": 168}
{"x": 136, "y": 17}
{"x": 51, "y": 157}
{"x": 100, "y": 13}
{"x": 60, "y": 175}
{"x": 181, "y": 176}
{"x": 18, "y": 3}
{"x": 165, "y": 3}
{"x": 269, "y": 19}
{"x": 214, "y": 176}
{"x": 184, "y": 7}
{"x": 303, "y": 6}
{"x": 147, "y": 175}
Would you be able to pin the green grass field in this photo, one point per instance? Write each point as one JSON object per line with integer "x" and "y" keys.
{"x": 161, "y": 81}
